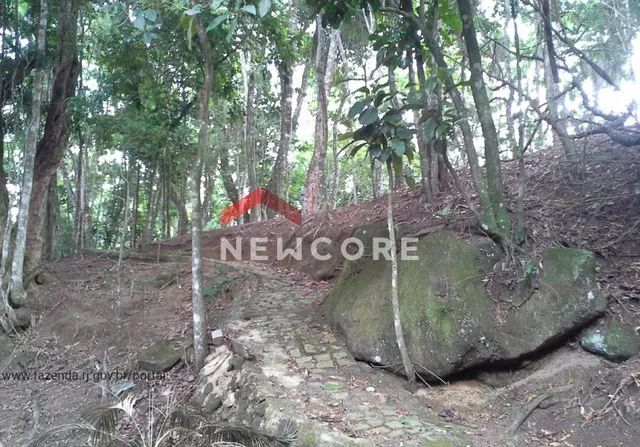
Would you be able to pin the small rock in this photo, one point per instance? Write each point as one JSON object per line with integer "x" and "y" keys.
{"x": 613, "y": 340}
{"x": 160, "y": 357}
{"x": 243, "y": 352}
{"x": 212, "y": 403}
{"x": 217, "y": 337}
{"x": 370, "y": 389}
{"x": 6, "y": 347}
{"x": 23, "y": 318}
{"x": 236, "y": 363}
{"x": 230, "y": 401}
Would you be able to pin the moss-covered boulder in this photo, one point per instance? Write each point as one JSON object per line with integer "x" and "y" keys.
{"x": 613, "y": 340}
{"x": 450, "y": 321}
{"x": 159, "y": 357}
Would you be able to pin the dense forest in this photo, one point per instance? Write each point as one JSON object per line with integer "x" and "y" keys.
{"x": 124, "y": 123}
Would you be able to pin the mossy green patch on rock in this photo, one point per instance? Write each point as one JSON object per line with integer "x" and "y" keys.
{"x": 450, "y": 323}
{"x": 615, "y": 341}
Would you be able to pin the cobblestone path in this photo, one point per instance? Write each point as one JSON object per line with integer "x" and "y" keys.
{"x": 282, "y": 323}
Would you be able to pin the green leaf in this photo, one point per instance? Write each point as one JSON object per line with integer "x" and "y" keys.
{"x": 149, "y": 37}
{"x": 393, "y": 117}
{"x": 217, "y": 21}
{"x": 264, "y": 7}
{"x": 380, "y": 97}
{"x": 414, "y": 104}
{"x": 332, "y": 386}
{"x": 345, "y": 136}
{"x": 369, "y": 116}
{"x": 430, "y": 128}
{"x": 398, "y": 146}
{"x": 139, "y": 22}
{"x": 450, "y": 16}
{"x": 195, "y": 10}
{"x": 357, "y": 108}
{"x": 151, "y": 15}
{"x": 375, "y": 150}
{"x": 385, "y": 155}
{"x": 232, "y": 29}
{"x": 249, "y": 9}
{"x": 355, "y": 150}
{"x": 431, "y": 84}
{"x": 404, "y": 133}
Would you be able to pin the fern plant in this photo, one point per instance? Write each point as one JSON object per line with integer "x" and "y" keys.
{"x": 166, "y": 426}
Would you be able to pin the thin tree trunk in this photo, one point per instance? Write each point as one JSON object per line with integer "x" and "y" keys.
{"x": 135, "y": 204}
{"x": 199, "y": 309}
{"x": 125, "y": 213}
{"x": 519, "y": 233}
{"x": 395, "y": 301}
{"x": 276, "y": 184}
{"x": 79, "y": 195}
{"x": 483, "y": 107}
{"x": 506, "y": 56}
{"x": 422, "y": 145}
{"x": 302, "y": 93}
{"x": 16, "y": 292}
{"x": 249, "y": 136}
{"x": 398, "y": 162}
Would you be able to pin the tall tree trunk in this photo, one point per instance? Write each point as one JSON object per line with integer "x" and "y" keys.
{"x": 249, "y": 136}
{"x": 80, "y": 202}
{"x": 135, "y": 205}
{"x": 16, "y": 292}
{"x": 228, "y": 183}
{"x": 315, "y": 188}
{"x": 124, "y": 228}
{"x": 4, "y": 195}
{"x": 54, "y": 141}
{"x": 276, "y": 184}
{"x": 425, "y": 168}
{"x": 483, "y": 108}
{"x": 199, "y": 309}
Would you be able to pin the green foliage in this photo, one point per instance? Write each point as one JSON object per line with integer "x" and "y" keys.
{"x": 383, "y": 130}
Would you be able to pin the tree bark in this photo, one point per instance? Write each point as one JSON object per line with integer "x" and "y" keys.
{"x": 409, "y": 371}
{"x": 483, "y": 108}
{"x": 249, "y": 137}
{"x": 199, "y": 308}
{"x": 54, "y": 141}
{"x": 276, "y": 184}
{"x": 315, "y": 188}
{"x": 16, "y": 292}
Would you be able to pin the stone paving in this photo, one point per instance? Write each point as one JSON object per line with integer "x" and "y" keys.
{"x": 283, "y": 325}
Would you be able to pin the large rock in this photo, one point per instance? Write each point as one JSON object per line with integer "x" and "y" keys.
{"x": 613, "y": 340}
{"x": 159, "y": 357}
{"x": 450, "y": 322}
